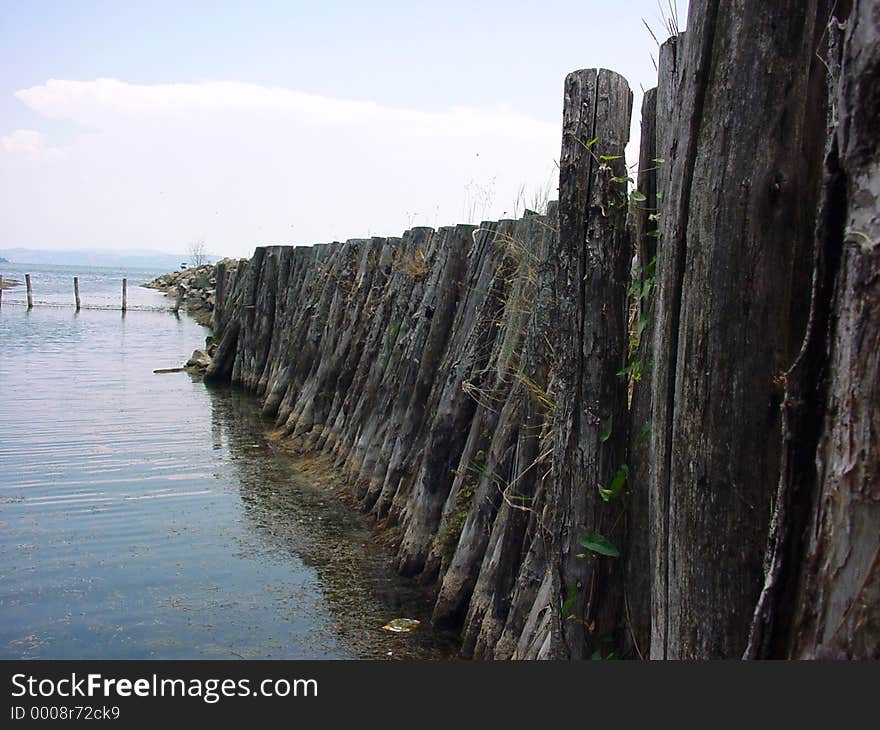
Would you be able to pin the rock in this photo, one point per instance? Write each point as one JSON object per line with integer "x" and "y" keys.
{"x": 200, "y": 360}
{"x": 402, "y": 625}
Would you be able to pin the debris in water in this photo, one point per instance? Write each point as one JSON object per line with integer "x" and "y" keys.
{"x": 402, "y": 625}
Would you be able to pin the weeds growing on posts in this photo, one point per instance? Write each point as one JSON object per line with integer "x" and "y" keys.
{"x": 413, "y": 265}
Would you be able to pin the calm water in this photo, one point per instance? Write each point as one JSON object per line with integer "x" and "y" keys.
{"x": 144, "y": 515}
{"x": 98, "y": 287}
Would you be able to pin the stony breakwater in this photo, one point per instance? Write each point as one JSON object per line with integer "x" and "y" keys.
{"x": 195, "y": 288}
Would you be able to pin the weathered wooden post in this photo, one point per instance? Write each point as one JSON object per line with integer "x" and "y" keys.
{"x": 76, "y": 291}
{"x": 180, "y": 291}
{"x": 821, "y": 585}
{"x": 124, "y": 294}
{"x": 592, "y": 267}
{"x": 733, "y": 277}
{"x": 1, "y": 290}
{"x": 30, "y": 291}
{"x": 219, "y": 297}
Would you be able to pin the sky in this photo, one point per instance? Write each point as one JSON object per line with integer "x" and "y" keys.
{"x": 151, "y": 125}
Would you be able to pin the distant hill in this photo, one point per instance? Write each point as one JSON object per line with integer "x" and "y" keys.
{"x": 98, "y": 257}
{"x": 3, "y": 261}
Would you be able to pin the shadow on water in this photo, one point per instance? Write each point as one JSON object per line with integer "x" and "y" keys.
{"x": 292, "y": 517}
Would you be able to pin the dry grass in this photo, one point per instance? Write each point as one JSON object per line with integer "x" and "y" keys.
{"x": 414, "y": 265}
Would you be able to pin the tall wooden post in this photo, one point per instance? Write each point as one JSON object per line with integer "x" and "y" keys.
{"x": 180, "y": 292}
{"x": 30, "y": 291}
{"x": 76, "y": 291}
{"x": 124, "y": 294}
{"x": 737, "y": 237}
{"x": 1, "y": 290}
{"x": 592, "y": 267}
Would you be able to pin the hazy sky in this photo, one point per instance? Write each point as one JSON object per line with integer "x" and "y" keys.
{"x": 147, "y": 125}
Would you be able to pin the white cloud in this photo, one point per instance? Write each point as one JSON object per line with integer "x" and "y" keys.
{"x": 156, "y": 166}
{"x": 106, "y": 102}
{"x": 29, "y": 143}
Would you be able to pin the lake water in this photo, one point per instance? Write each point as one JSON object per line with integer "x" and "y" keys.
{"x": 145, "y": 515}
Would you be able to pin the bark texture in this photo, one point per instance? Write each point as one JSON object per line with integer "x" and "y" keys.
{"x": 592, "y": 273}
{"x": 822, "y": 592}
{"x": 737, "y": 219}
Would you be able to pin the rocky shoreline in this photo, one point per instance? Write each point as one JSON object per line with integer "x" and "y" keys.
{"x": 196, "y": 288}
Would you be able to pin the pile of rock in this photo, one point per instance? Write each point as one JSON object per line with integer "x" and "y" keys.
{"x": 196, "y": 286}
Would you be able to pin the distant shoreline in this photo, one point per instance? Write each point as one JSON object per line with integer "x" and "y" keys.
{"x": 147, "y": 260}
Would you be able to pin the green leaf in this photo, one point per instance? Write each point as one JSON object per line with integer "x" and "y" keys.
{"x": 616, "y": 484}
{"x": 598, "y": 544}
{"x": 654, "y": 234}
{"x": 646, "y": 288}
{"x": 634, "y": 368}
{"x": 606, "y": 430}
{"x": 621, "y": 180}
{"x": 591, "y": 142}
{"x": 658, "y": 160}
{"x": 638, "y": 197}
{"x": 569, "y": 602}
{"x": 643, "y": 322}
{"x": 608, "y": 158}
{"x": 637, "y": 373}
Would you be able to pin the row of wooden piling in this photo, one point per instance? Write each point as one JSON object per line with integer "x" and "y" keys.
{"x": 76, "y": 299}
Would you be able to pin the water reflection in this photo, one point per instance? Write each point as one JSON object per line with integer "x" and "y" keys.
{"x": 293, "y": 517}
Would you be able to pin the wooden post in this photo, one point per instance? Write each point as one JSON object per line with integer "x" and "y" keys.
{"x": 592, "y": 275}
{"x": 76, "y": 291}
{"x": 124, "y": 294}
{"x": 219, "y": 296}
{"x": 180, "y": 291}
{"x": 30, "y": 291}
{"x": 1, "y": 290}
